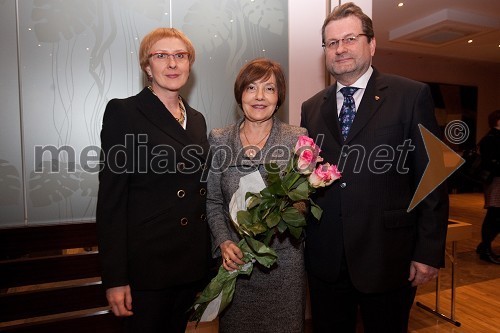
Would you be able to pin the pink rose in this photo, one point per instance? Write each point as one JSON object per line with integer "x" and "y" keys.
{"x": 308, "y": 153}
{"x": 324, "y": 175}
{"x": 304, "y": 141}
{"x": 306, "y": 162}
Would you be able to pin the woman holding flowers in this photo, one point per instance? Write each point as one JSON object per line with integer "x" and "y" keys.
{"x": 271, "y": 299}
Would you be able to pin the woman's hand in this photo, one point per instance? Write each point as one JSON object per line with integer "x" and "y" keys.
{"x": 231, "y": 255}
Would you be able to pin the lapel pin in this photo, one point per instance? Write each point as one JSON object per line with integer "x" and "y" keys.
{"x": 377, "y": 98}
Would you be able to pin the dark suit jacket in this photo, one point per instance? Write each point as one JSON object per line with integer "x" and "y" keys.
{"x": 365, "y": 213}
{"x": 151, "y": 204}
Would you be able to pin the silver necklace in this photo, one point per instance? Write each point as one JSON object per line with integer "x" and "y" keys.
{"x": 251, "y": 152}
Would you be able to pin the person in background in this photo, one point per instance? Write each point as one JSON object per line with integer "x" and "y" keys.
{"x": 152, "y": 229}
{"x": 489, "y": 148}
{"x": 270, "y": 300}
{"x": 368, "y": 251}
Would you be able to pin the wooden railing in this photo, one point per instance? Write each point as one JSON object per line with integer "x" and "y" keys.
{"x": 50, "y": 281}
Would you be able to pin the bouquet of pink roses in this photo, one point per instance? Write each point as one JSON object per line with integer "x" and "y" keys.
{"x": 270, "y": 210}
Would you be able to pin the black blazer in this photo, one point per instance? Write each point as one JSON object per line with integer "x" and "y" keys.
{"x": 151, "y": 204}
{"x": 490, "y": 152}
{"x": 365, "y": 213}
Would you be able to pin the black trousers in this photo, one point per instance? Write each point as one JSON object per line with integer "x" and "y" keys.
{"x": 334, "y": 307}
{"x": 491, "y": 226}
{"x": 164, "y": 310}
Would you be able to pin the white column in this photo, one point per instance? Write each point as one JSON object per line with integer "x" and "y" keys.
{"x": 306, "y": 61}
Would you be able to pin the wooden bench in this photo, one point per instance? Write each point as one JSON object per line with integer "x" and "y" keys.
{"x": 50, "y": 281}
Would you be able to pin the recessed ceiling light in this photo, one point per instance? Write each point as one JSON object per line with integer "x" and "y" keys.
{"x": 400, "y": 4}
{"x": 469, "y": 41}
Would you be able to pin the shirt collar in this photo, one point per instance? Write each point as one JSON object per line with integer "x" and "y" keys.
{"x": 361, "y": 83}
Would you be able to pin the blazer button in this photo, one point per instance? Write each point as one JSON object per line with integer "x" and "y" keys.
{"x": 180, "y": 166}
{"x": 203, "y": 191}
{"x": 203, "y": 217}
{"x": 181, "y": 194}
{"x": 343, "y": 185}
{"x": 184, "y": 221}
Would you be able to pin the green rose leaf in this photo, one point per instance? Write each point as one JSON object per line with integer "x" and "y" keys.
{"x": 268, "y": 236}
{"x": 257, "y": 228}
{"x": 266, "y": 193}
{"x": 316, "y": 211}
{"x": 300, "y": 193}
{"x": 293, "y": 218}
{"x": 244, "y": 218}
{"x": 290, "y": 179}
{"x": 276, "y": 189}
{"x": 296, "y": 232}
{"x": 256, "y": 218}
{"x": 267, "y": 203}
{"x": 300, "y": 181}
{"x": 265, "y": 255}
{"x": 273, "y": 172}
{"x": 273, "y": 219}
{"x": 282, "y": 226}
{"x": 254, "y": 201}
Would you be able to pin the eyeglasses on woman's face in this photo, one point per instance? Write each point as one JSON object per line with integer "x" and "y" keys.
{"x": 179, "y": 57}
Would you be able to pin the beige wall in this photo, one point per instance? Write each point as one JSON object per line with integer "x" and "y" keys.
{"x": 451, "y": 71}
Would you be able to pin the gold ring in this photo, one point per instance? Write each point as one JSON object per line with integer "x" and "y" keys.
{"x": 227, "y": 259}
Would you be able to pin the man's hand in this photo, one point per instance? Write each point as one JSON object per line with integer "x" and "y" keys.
{"x": 120, "y": 300}
{"x": 421, "y": 273}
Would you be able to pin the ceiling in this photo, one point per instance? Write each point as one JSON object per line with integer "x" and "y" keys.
{"x": 440, "y": 28}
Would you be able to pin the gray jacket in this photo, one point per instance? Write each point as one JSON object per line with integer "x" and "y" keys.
{"x": 229, "y": 164}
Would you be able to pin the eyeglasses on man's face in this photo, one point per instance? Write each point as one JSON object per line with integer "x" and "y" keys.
{"x": 346, "y": 41}
{"x": 179, "y": 57}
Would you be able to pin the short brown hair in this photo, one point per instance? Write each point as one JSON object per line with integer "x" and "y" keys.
{"x": 349, "y": 9}
{"x": 493, "y": 118}
{"x": 158, "y": 34}
{"x": 260, "y": 69}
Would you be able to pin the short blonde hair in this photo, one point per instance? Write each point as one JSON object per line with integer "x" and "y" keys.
{"x": 158, "y": 34}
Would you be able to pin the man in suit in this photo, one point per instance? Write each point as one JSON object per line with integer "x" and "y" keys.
{"x": 367, "y": 251}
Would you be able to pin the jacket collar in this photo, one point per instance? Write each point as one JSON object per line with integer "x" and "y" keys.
{"x": 154, "y": 110}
